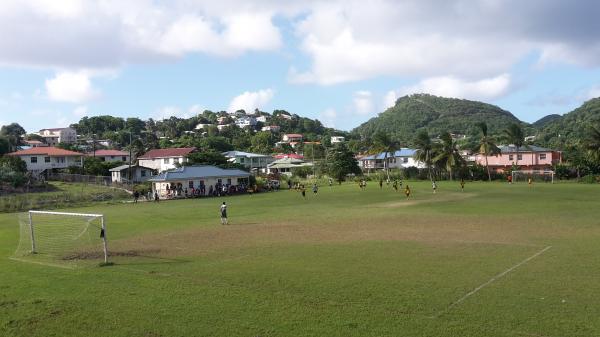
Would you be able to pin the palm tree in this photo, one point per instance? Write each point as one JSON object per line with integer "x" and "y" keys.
{"x": 383, "y": 143}
{"x": 514, "y": 135}
{"x": 486, "y": 146}
{"x": 592, "y": 143}
{"x": 425, "y": 151}
{"x": 449, "y": 156}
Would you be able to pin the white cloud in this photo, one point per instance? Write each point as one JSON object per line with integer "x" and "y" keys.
{"x": 196, "y": 109}
{"x": 448, "y": 86}
{"x": 329, "y": 117}
{"x": 592, "y": 92}
{"x": 248, "y": 101}
{"x": 363, "y": 103}
{"x": 389, "y": 100}
{"x": 169, "y": 111}
{"x": 72, "y": 87}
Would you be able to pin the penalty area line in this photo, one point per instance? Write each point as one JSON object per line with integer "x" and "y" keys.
{"x": 490, "y": 281}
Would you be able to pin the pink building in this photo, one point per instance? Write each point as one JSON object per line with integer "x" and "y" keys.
{"x": 527, "y": 158}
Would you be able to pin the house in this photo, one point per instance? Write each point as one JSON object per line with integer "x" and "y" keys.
{"x": 34, "y": 143}
{"x": 528, "y": 157}
{"x": 58, "y": 135}
{"x": 120, "y": 174}
{"x": 292, "y": 137}
{"x": 245, "y": 121}
{"x": 222, "y": 127}
{"x": 165, "y": 159}
{"x": 46, "y": 158}
{"x": 402, "y": 158}
{"x": 249, "y": 160}
{"x": 286, "y": 165}
{"x": 223, "y": 119}
{"x": 261, "y": 118}
{"x": 204, "y": 126}
{"x": 270, "y": 128}
{"x": 110, "y": 155}
{"x": 204, "y": 178}
{"x": 337, "y": 139}
{"x": 288, "y": 155}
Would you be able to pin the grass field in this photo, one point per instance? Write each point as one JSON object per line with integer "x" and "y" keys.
{"x": 342, "y": 263}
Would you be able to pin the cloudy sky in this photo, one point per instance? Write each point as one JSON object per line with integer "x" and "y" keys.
{"x": 339, "y": 61}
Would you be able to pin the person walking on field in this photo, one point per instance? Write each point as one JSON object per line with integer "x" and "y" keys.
{"x": 395, "y": 185}
{"x": 315, "y": 188}
{"x": 380, "y": 183}
{"x": 303, "y": 191}
{"x": 156, "y": 198}
{"x": 407, "y": 191}
{"x": 136, "y": 196}
{"x": 529, "y": 181}
{"x": 434, "y": 186}
{"x": 462, "y": 185}
{"x": 223, "y": 213}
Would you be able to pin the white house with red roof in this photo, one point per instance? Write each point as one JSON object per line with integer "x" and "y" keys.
{"x": 165, "y": 159}
{"x": 292, "y": 137}
{"x": 110, "y": 155}
{"x": 58, "y": 135}
{"x": 40, "y": 159}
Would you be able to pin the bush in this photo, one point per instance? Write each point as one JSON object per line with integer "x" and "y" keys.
{"x": 591, "y": 179}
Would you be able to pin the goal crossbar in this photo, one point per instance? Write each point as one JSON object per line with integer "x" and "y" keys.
{"x": 66, "y": 213}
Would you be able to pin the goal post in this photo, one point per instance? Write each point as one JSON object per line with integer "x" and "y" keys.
{"x": 535, "y": 175}
{"x": 62, "y": 238}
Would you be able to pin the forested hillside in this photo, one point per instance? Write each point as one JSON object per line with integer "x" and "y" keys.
{"x": 436, "y": 115}
{"x": 571, "y": 128}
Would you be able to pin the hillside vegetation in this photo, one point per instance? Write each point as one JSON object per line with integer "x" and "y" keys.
{"x": 436, "y": 115}
{"x": 571, "y": 128}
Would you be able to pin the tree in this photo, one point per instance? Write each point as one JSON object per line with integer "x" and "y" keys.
{"x": 592, "y": 143}
{"x": 261, "y": 143}
{"x": 425, "y": 151}
{"x": 13, "y": 133}
{"x": 486, "y": 146}
{"x": 209, "y": 157}
{"x": 341, "y": 162}
{"x": 449, "y": 156}
{"x": 383, "y": 143}
{"x": 514, "y": 135}
{"x": 4, "y": 146}
{"x": 13, "y": 170}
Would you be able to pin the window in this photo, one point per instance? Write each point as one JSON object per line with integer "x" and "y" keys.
{"x": 201, "y": 182}
{"x": 33, "y": 160}
{"x": 191, "y": 184}
{"x": 46, "y": 159}
{"x": 519, "y": 157}
{"x": 229, "y": 181}
{"x": 143, "y": 173}
{"x": 405, "y": 160}
{"x": 220, "y": 181}
{"x": 511, "y": 157}
{"x": 542, "y": 156}
{"x": 123, "y": 158}
{"x": 166, "y": 161}
{"x": 241, "y": 160}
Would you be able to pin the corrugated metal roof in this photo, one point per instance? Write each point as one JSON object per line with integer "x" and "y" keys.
{"x": 403, "y": 152}
{"x": 195, "y": 172}
{"x": 524, "y": 148}
{"x": 231, "y": 154}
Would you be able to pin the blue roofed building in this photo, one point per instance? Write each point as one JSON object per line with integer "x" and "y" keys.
{"x": 402, "y": 158}
{"x": 203, "y": 178}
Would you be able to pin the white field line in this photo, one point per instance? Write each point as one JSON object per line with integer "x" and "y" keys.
{"x": 493, "y": 279}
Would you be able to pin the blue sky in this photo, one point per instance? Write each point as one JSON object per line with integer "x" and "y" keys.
{"x": 339, "y": 61}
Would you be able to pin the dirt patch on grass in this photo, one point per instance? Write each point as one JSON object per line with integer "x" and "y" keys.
{"x": 411, "y": 202}
{"x": 427, "y": 229}
{"x": 100, "y": 255}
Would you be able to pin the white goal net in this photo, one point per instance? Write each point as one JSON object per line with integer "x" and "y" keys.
{"x": 546, "y": 176}
{"x": 62, "y": 239}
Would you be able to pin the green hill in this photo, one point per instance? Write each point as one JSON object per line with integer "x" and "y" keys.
{"x": 542, "y": 122}
{"x": 435, "y": 114}
{"x": 572, "y": 127}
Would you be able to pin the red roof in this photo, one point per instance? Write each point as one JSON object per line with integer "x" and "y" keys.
{"x": 172, "y": 152}
{"x": 295, "y": 135}
{"x": 45, "y": 151}
{"x": 102, "y": 153}
{"x": 288, "y": 155}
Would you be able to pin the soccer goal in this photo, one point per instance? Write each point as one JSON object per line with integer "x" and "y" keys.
{"x": 61, "y": 238}
{"x": 535, "y": 175}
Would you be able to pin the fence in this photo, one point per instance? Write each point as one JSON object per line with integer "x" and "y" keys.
{"x": 88, "y": 179}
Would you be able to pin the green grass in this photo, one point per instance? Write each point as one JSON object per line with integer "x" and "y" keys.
{"x": 343, "y": 263}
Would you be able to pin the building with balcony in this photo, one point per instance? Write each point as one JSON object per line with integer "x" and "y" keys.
{"x": 48, "y": 158}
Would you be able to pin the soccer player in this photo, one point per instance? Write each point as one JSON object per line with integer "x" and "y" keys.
{"x": 529, "y": 181}
{"x": 407, "y": 191}
{"x": 395, "y": 185}
{"x": 330, "y": 182}
{"x": 380, "y": 183}
{"x": 434, "y": 186}
{"x": 156, "y": 198}
{"x": 303, "y": 191}
{"x": 223, "y": 213}
{"x": 462, "y": 185}
{"x": 315, "y": 188}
